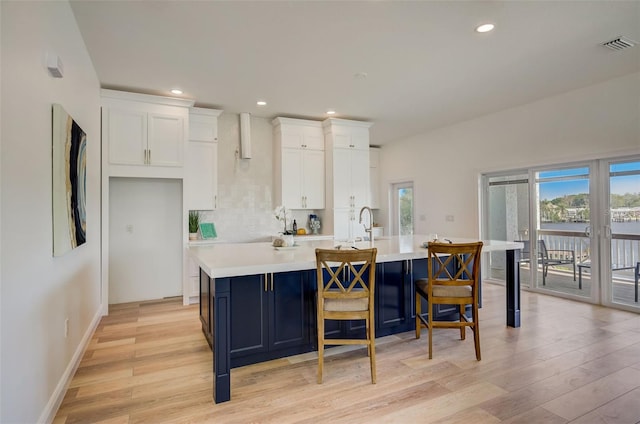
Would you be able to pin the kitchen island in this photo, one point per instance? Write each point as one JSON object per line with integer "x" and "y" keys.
{"x": 257, "y": 302}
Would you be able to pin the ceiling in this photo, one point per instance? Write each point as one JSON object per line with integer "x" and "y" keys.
{"x": 408, "y": 67}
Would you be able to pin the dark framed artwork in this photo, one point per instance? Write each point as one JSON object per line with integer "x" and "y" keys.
{"x": 69, "y": 181}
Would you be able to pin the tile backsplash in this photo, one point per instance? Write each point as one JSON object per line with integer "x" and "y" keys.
{"x": 245, "y": 186}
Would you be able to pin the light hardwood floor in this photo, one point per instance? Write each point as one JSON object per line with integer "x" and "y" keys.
{"x": 569, "y": 362}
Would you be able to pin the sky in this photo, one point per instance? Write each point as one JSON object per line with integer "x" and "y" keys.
{"x": 619, "y": 184}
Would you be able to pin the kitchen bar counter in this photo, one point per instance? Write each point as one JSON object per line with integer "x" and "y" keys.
{"x": 250, "y": 268}
{"x": 236, "y": 259}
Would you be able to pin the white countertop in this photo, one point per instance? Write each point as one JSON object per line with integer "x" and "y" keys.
{"x": 235, "y": 259}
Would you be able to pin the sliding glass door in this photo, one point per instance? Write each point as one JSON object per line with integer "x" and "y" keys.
{"x": 621, "y": 233}
{"x": 506, "y": 199}
{"x": 563, "y": 229}
{"x": 579, "y": 223}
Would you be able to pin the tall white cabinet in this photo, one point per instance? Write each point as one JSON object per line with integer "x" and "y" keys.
{"x": 374, "y": 176}
{"x": 201, "y": 161}
{"x": 200, "y": 182}
{"x": 299, "y": 163}
{"x": 347, "y": 176}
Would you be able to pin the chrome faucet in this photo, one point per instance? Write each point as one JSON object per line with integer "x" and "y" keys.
{"x": 370, "y": 229}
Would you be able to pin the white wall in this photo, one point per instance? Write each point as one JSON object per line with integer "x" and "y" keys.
{"x": 602, "y": 120}
{"x": 39, "y": 291}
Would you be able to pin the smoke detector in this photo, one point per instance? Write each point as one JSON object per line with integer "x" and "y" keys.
{"x": 620, "y": 43}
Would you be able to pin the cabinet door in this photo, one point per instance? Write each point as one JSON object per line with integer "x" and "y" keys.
{"x": 194, "y": 277}
{"x": 342, "y": 179}
{"x": 199, "y": 175}
{"x": 249, "y": 315}
{"x": 393, "y": 297}
{"x": 313, "y": 179}
{"x": 126, "y": 135}
{"x": 360, "y": 184}
{"x": 313, "y": 138}
{"x": 374, "y": 179}
{"x": 166, "y": 139}
{"x": 292, "y": 178}
{"x": 342, "y": 219}
{"x": 289, "y": 317}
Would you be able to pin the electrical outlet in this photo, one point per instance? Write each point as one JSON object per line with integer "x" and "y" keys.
{"x": 449, "y": 218}
{"x": 66, "y": 328}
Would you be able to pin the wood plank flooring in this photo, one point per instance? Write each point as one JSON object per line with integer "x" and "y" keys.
{"x": 569, "y": 362}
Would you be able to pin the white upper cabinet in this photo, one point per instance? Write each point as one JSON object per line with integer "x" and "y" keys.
{"x": 143, "y": 136}
{"x": 201, "y": 161}
{"x": 299, "y": 163}
{"x": 127, "y": 135}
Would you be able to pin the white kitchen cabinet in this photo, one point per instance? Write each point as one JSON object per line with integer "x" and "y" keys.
{"x": 351, "y": 178}
{"x": 299, "y": 163}
{"x": 374, "y": 176}
{"x": 143, "y": 135}
{"x": 201, "y": 161}
{"x": 194, "y": 278}
{"x": 348, "y": 181}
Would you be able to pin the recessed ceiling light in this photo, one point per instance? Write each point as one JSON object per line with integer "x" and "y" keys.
{"x": 331, "y": 112}
{"x": 485, "y": 28}
{"x": 176, "y": 91}
{"x": 261, "y": 103}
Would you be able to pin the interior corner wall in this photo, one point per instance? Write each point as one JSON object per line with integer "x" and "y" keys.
{"x": 602, "y": 120}
{"x": 39, "y": 292}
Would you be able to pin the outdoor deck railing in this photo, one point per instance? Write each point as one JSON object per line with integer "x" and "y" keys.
{"x": 625, "y": 248}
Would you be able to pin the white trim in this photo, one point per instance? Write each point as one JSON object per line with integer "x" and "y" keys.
{"x": 50, "y": 410}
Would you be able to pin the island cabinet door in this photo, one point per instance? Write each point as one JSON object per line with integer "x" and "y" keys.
{"x": 270, "y": 316}
{"x": 249, "y": 316}
{"x": 393, "y": 297}
{"x": 290, "y": 308}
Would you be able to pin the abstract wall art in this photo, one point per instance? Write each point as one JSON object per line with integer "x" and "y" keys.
{"x": 69, "y": 191}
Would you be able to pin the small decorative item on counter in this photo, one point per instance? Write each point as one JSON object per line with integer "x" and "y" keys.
{"x": 282, "y": 214}
{"x": 302, "y": 232}
{"x": 208, "y": 230}
{"x": 314, "y": 223}
{"x": 284, "y": 241}
{"x": 194, "y": 222}
{"x": 295, "y": 227}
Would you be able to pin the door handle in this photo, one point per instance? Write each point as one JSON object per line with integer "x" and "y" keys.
{"x": 587, "y": 231}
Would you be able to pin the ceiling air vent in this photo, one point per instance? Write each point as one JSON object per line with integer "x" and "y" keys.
{"x": 619, "y": 43}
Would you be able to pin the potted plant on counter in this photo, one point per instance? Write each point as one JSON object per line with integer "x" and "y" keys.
{"x": 194, "y": 222}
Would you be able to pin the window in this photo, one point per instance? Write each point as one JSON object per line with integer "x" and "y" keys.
{"x": 403, "y": 209}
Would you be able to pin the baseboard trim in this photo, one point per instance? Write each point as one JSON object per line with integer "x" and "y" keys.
{"x": 49, "y": 412}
